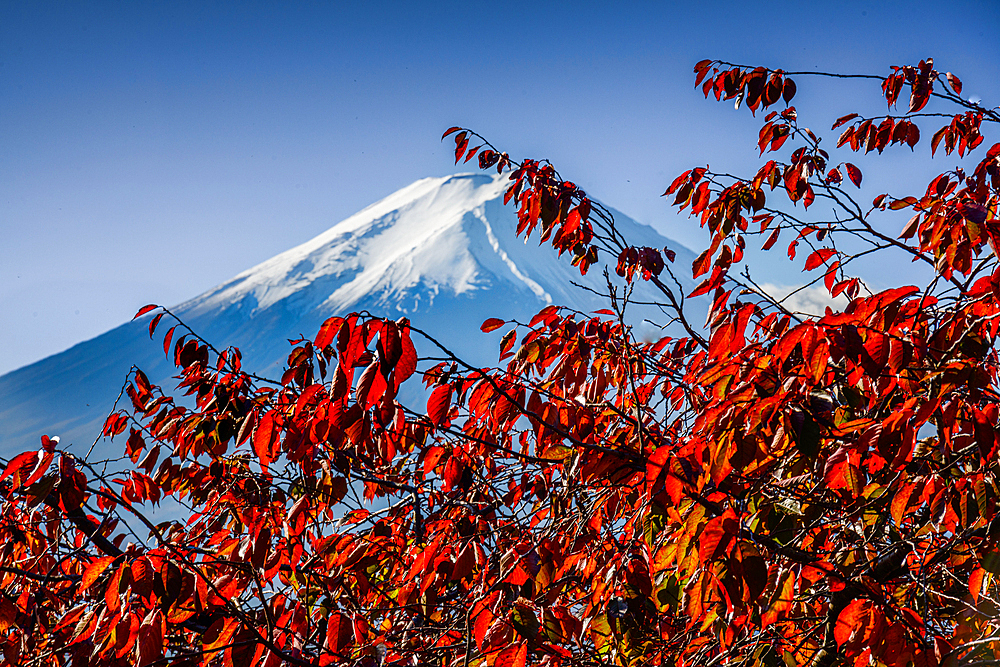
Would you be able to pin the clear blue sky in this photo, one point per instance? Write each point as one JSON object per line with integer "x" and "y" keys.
{"x": 150, "y": 150}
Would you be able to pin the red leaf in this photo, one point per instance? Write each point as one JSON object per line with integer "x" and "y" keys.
{"x": 854, "y": 174}
{"x": 150, "y": 636}
{"x": 704, "y": 287}
{"x": 780, "y": 137}
{"x": 769, "y": 243}
{"x": 452, "y": 472}
{"x": 438, "y": 404}
{"x": 702, "y": 263}
{"x": 513, "y": 656}
{"x": 461, "y": 143}
{"x": 954, "y": 82}
{"x": 142, "y": 382}
{"x": 152, "y": 324}
{"x": 844, "y": 119}
{"x": 166, "y": 341}
{"x": 263, "y": 439}
{"x": 483, "y": 616}
{"x": 655, "y": 464}
{"x": 850, "y": 619}
{"x": 546, "y": 314}
{"x": 432, "y": 458}
{"x": 371, "y": 386}
{"x": 492, "y": 324}
{"x": 507, "y": 342}
{"x": 919, "y": 96}
{"x": 715, "y": 536}
{"x": 936, "y": 139}
{"x": 112, "y": 596}
{"x": 327, "y": 331}
{"x": 407, "y": 364}
{"x": 911, "y": 227}
{"x": 360, "y": 624}
{"x": 788, "y": 91}
{"x": 219, "y": 634}
{"x": 819, "y": 257}
{"x": 845, "y": 136}
{"x": 830, "y": 278}
{"x": 25, "y": 460}
{"x": 877, "y": 347}
{"x": 973, "y": 211}
{"x": 450, "y": 130}
{"x": 339, "y": 632}
{"x": 144, "y": 310}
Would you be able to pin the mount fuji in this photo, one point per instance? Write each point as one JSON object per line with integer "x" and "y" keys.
{"x": 441, "y": 251}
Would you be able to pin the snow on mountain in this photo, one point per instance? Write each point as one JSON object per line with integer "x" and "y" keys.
{"x": 441, "y": 251}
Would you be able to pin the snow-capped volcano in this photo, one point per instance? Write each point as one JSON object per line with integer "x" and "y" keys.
{"x": 442, "y": 251}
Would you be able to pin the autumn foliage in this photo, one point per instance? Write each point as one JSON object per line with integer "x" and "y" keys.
{"x": 771, "y": 488}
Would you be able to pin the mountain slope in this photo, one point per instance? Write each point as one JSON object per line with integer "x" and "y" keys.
{"x": 441, "y": 251}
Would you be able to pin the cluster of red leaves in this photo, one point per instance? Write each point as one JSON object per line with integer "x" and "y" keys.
{"x": 757, "y": 86}
{"x": 779, "y": 488}
{"x": 866, "y": 134}
{"x": 871, "y": 133}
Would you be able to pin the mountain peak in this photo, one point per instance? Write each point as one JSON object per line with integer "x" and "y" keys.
{"x": 442, "y": 251}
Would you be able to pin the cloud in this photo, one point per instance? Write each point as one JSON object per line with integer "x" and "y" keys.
{"x": 806, "y": 300}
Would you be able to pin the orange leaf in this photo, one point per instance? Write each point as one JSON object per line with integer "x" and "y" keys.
{"x": 94, "y": 570}
{"x": 900, "y": 502}
{"x": 976, "y": 583}
{"x": 219, "y": 634}
{"x": 111, "y": 595}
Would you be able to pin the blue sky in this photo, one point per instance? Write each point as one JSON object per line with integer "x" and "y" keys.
{"x": 150, "y": 150}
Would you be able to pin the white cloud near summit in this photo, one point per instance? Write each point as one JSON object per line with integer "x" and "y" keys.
{"x": 805, "y": 300}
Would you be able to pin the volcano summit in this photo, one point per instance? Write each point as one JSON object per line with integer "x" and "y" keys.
{"x": 441, "y": 251}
